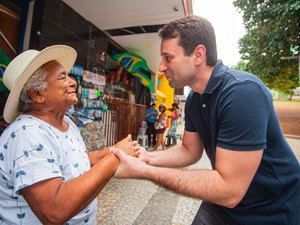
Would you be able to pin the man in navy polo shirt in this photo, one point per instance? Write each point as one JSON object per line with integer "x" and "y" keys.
{"x": 255, "y": 177}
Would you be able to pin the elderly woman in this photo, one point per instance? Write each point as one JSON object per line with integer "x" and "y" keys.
{"x": 47, "y": 177}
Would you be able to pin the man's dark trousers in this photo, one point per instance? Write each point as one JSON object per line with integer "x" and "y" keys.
{"x": 151, "y": 133}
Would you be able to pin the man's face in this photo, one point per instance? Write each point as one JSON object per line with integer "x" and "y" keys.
{"x": 177, "y": 67}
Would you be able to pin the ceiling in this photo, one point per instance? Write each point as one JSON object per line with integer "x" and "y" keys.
{"x": 133, "y": 24}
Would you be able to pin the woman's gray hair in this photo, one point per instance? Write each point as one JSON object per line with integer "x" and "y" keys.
{"x": 36, "y": 82}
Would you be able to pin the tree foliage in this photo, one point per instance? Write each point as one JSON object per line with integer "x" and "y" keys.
{"x": 272, "y": 32}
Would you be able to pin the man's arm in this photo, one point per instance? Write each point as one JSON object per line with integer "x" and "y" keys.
{"x": 226, "y": 185}
{"x": 187, "y": 153}
{"x": 148, "y": 114}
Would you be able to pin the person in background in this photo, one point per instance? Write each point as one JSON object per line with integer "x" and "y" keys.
{"x": 151, "y": 115}
{"x": 172, "y": 132}
{"x": 229, "y": 114}
{"x": 160, "y": 126}
{"x": 46, "y": 174}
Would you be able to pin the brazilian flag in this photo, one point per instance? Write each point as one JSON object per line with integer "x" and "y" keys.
{"x": 4, "y": 61}
{"x": 137, "y": 66}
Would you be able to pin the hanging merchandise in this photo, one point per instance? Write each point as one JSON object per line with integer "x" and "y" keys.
{"x": 92, "y": 128}
{"x": 137, "y": 66}
{"x": 77, "y": 70}
{"x": 92, "y": 103}
{"x": 93, "y": 136}
{"x": 93, "y": 78}
{"x": 90, "y": 88}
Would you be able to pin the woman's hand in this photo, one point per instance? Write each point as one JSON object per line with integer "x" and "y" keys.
{"x": 128, "y": 146}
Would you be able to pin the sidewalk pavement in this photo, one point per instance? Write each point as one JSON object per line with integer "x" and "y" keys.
{"x": 141, "y": 202}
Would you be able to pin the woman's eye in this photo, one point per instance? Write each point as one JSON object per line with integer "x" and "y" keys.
{"x": 62, "y": 78}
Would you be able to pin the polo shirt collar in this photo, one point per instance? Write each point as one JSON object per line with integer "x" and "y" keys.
{"x": 216, "y": 77}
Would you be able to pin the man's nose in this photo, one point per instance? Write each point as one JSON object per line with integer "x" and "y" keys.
{"x": 162, "y": 67}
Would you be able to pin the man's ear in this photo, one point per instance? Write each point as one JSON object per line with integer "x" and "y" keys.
{"x": 200, "y": 54}
{"x": 35, "y": 96}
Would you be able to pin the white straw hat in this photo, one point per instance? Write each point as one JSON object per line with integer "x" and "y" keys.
{"x": 24, "y": 65}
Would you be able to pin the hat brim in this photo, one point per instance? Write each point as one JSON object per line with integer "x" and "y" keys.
{"x": 65, "y": 55}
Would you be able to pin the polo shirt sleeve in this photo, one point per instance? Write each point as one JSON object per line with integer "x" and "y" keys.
{"x": 243, "y": 114}
{"x": 33, "y": 157}
{"x": 189, "y": 126}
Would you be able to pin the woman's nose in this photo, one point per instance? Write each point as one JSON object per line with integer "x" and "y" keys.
{"x": 72, "y": 80}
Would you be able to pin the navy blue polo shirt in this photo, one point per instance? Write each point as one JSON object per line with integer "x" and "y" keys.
{"x": 236, "y": 112}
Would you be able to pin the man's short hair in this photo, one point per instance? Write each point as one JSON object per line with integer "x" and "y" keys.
{"x": 192, "y": 31}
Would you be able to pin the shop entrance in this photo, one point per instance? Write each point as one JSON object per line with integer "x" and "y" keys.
{"x": 10, "y": 29}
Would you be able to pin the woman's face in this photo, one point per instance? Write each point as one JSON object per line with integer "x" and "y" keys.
{"x": 61, "y": 90}
{"x": 161, "y": 108}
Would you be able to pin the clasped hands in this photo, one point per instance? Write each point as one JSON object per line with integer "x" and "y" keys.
{"x": 132, "y": 158}
{"x": 127, "y": 145}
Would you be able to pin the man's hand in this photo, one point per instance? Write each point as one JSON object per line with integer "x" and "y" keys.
{"x": 142, "y": 154}
{"x": 129, "y": 167}
{"x": 128, "y": 146}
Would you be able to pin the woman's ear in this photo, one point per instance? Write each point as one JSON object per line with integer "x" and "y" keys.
{"x": 35, "y": 96}
{"x": 200, "y": 54}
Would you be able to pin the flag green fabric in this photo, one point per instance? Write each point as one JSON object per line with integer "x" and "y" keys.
{"x": 4, "y": 61}
{"x": 137, "y": 66}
